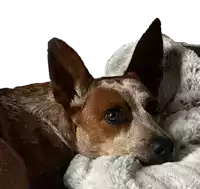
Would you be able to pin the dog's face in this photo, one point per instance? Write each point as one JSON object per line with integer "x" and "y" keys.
{"x": 113, "y": 115}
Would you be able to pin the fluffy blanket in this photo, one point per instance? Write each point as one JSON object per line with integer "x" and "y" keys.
{"x": 180, "y": 95}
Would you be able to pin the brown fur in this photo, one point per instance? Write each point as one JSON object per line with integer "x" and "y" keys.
{"x": 29, "y": 122}
{"x": 13, "y": 171}
{"x": 96, "y": 137}
{"x": 91, "y": 118}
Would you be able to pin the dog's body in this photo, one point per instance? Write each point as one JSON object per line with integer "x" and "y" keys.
{"x": 29, "y": 122}
{"x": 106, "y": 116}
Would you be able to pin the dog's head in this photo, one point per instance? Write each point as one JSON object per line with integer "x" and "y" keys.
{"x": 113, "y": 115}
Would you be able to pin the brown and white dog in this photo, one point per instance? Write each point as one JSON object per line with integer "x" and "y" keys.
{"x": 113, "y": 115}
{"x": 94, "y": 117}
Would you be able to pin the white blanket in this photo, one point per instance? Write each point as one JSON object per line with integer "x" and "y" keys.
{"x": 182, "y": 72}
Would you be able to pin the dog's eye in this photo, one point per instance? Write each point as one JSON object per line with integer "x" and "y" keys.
{"x": 114, "y": 116}
{"x": 152, "y": 106}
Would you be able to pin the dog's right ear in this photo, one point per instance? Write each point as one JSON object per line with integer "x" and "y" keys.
{"x": 69, "y": 77}
{"x": 147, "y": 58}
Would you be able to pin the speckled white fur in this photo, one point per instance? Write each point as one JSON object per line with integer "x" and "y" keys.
{"x": 182, "y": 84}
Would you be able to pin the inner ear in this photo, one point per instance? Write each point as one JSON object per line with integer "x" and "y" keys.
{"x": 69, "y": 77}
{"x": 147, "y": 58}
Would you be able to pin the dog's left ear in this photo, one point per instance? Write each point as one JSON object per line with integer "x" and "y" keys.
{"x": 70, "y": 78}
{"x": 147, "y": 58}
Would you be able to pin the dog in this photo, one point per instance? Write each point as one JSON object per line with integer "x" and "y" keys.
{"x": 48, "y": 123}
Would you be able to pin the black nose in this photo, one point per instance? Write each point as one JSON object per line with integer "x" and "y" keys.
{"x": 162, "y": 148}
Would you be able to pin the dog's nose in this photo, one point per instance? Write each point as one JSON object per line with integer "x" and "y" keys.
{"x": 162, "y": 148}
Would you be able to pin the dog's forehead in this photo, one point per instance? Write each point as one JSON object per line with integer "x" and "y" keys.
{"x": 128, "y": 88}
{"x": 122, "y": 84}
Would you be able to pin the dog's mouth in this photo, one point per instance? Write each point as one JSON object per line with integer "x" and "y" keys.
{"x": 141, "y": 161}
{"x": 150, "y": 162}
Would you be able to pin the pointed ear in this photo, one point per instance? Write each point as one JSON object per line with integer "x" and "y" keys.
{"x": 147, "y": 58}
{"x": 69, "y": 77}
